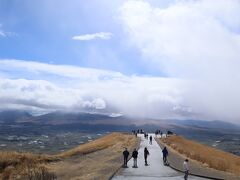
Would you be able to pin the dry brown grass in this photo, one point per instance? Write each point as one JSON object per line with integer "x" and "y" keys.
{"x": 14, "y": 165}
{"x": 209, "y": 156}
{"x": 94, "y": 160}
{"x": 98, "y": 159}
{"x": 99, "y": 144}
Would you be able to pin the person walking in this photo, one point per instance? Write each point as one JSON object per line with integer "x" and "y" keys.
{"x": 135, "y": 156}
{"x": 146, "y": 153}
{"x": 125, "y": 157}
{"x": 185, "y": 169}
{"x": 165, "y": 154}
{"x": 150, "y": 138}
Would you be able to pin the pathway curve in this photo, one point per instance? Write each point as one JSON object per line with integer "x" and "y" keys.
{"x": 155, "y": 170}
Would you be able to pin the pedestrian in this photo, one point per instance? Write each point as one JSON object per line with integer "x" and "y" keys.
{"x": 150, "y": 138}
{"x": 135, "y": 156}
{"x": 146, "y": 153}
{"x": 185, "y": 169}
{"x": 165, "y": 154}
{"x": 125, "y": 157}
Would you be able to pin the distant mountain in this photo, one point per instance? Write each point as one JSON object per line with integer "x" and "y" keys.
{"x": 93, "y": 119}
{"x": 13, "y": 116}
{"x": 69, "y": 118}
{"x": 218, "y": 125}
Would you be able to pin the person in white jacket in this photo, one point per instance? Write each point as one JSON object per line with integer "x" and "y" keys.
{"x": 185, "y": 169}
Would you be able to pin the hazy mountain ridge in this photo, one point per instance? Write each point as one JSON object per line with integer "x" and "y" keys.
{"x": 22, "y": 125}
{"x": 215, "y": 124}
{"x": 11, "y": 116}
{"x": 69, "y": 118}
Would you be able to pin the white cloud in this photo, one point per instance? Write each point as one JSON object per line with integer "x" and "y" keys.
{"x": 2, "y": 34}
{"x": 198, "y": 41}
{"x": 44, "y": 96}
{"x": 60, "y": 70}
{"x": 88, "y": 37}
{"x": 5, "y": 33}
{"x": 99, "y": 90}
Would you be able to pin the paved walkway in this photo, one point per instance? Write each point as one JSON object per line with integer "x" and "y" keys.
{"x": 155, "y": 170}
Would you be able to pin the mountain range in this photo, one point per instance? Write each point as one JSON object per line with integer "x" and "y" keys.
{"x": 71, "y": 118}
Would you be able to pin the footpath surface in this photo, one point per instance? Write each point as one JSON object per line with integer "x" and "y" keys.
{"x": 155, "y": 169}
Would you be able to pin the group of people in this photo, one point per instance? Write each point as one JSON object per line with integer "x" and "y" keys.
{"x": 158, "y": 132}
{"x": 138, "y": 131}
{"x": 150, "y": 138}
{"x": 135, "y": 157}
{"x": 146, "y": 152}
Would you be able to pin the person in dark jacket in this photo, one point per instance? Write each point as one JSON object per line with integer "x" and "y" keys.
{"x": 125, "y": 157}
{"x": 146, "y": 153}
{"x": 165, "y": 154}
{"x": 150, "y": 138}
{"x": 135, "y": 156}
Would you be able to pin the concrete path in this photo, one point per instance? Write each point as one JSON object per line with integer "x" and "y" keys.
{"x": 155, "y": 170}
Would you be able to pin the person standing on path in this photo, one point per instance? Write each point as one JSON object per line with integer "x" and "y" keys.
{"x": 185, "y": 169}
{"x": 146, "y": 153}
{"x": 125, "y": 156}
{"x": 165, "y": 154}
{"x": 150, "y": 138}
{"x": 135, "y": 156}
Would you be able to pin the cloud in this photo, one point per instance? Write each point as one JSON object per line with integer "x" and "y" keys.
{"x": 44, "y": 96}
{"x": 6, "y": 33}
{"x": 67, "y": 71}
{"x": 182, "y": 38}
{"x": 88, "y": 37}
{"x": 197, "y": 41}
{"x": 2, "y": 33}
{"x": 52, "y": 88}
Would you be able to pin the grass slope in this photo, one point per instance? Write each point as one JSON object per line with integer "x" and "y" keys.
{"x": 98, "y": 159}
{"x": 210, "y": 157}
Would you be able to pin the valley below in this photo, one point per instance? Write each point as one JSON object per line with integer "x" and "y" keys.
{"x": 57, "y": 132}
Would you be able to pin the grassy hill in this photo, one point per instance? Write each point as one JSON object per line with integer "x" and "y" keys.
{"x": 207, "y": 156}
{"x": 97, "y": 159}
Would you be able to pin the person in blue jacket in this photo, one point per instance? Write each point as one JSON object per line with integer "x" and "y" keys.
{"x": 165, "y": 154}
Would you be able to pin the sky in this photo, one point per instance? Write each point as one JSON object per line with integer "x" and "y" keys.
{"x": 164, "y": 59}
